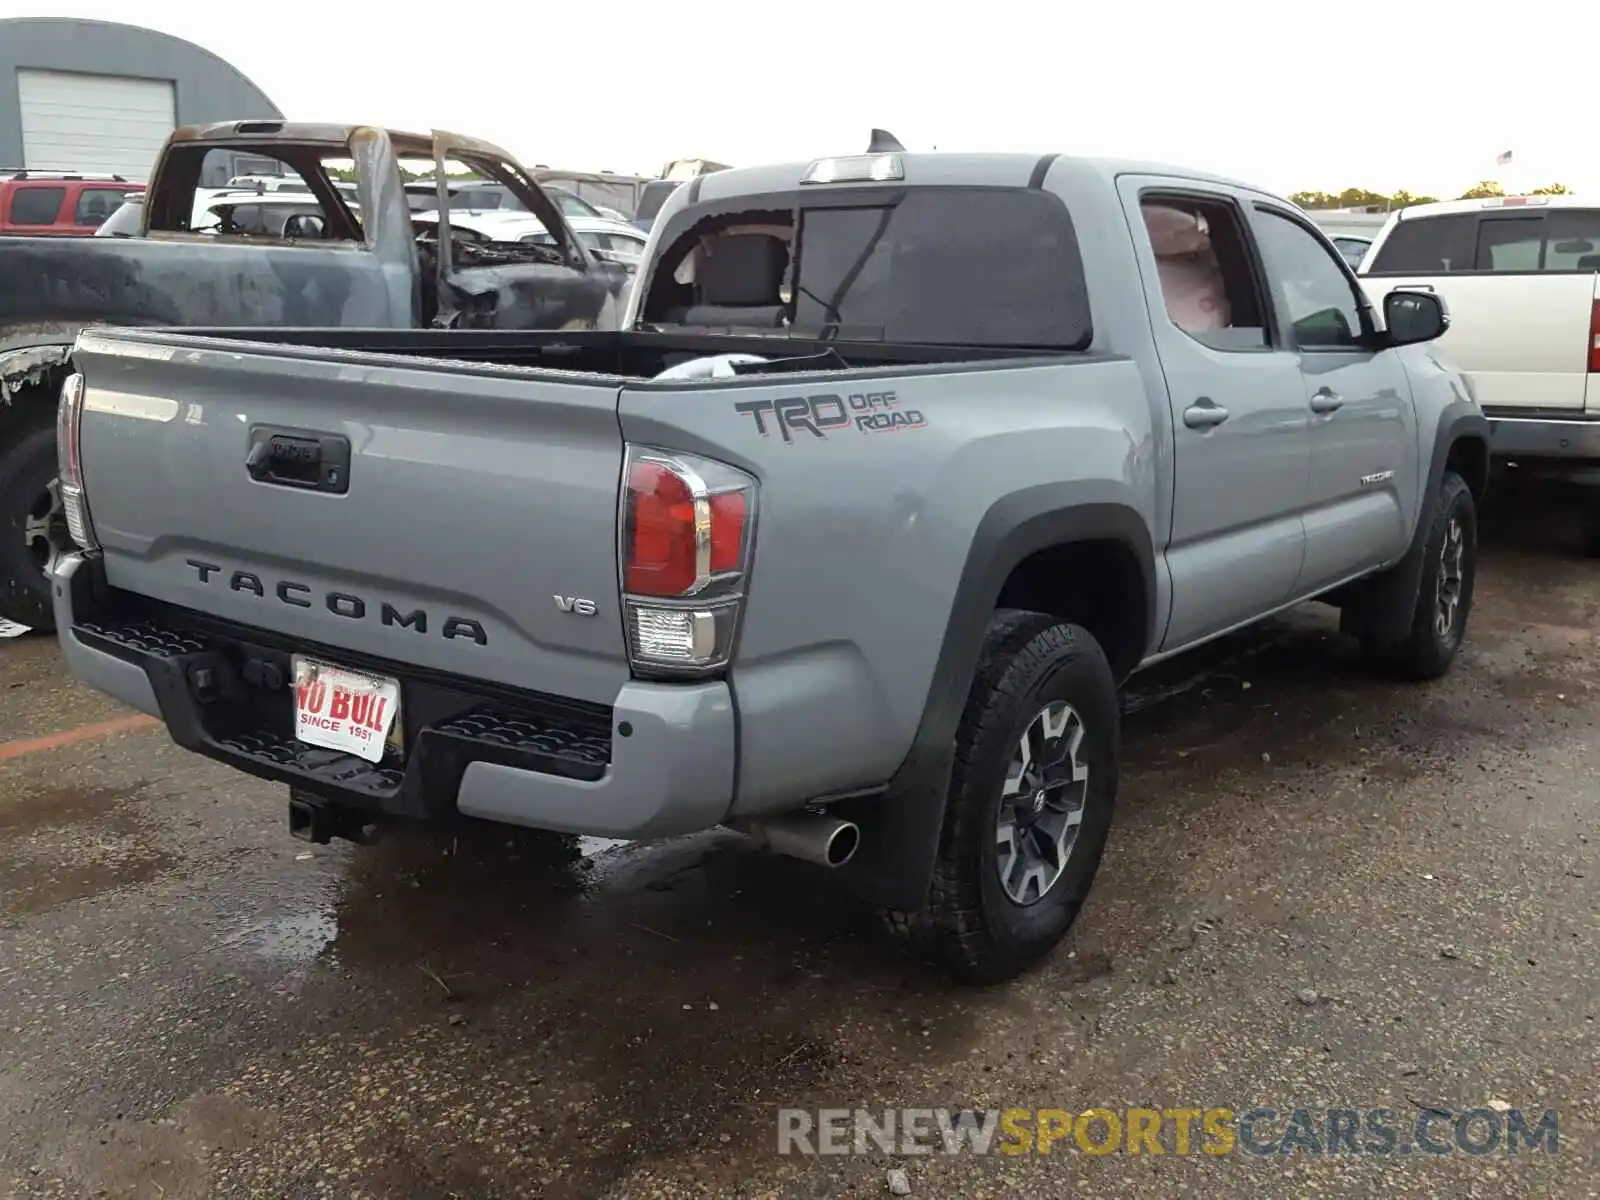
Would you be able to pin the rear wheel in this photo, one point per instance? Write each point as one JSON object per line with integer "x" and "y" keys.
{"x": 31, "y": 520}
{"x": 1030, "y": 801}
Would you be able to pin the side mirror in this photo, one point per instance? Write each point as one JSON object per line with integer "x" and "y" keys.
{"x": 1414, "y": 316}
{"x": 304, "y": 225}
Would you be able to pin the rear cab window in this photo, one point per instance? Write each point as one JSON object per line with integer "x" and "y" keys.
{"x": 931, "y": 265}
{"x": 1502, "y": 240}
{"x": 180, "y": 204}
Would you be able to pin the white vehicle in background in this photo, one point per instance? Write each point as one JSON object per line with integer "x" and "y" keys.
{"x": 262, "y": 215}
{"x": 1350, "y": 230}
{"x": 268, "y": 183}
{"x": 1521, "y": 278}
{"x": 616, "y": 240}
{"x": 233, "y": 211}
{"x": 283, "y": 183}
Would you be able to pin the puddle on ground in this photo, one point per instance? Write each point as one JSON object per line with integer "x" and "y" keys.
{"x": 59, "y": 845}
{"x": 293, "y": 939}
{"x": 34, "y": 809}
{"x": 30, "y": 888}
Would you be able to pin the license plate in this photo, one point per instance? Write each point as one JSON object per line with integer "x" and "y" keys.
{"x": 340, "y": 709}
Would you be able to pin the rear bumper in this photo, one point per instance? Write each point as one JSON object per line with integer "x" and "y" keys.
{"x": 659, "y": 761}
{"x": 1543, "y": 436}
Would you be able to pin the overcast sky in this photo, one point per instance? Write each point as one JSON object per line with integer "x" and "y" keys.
{"x": 1420, "y": 94}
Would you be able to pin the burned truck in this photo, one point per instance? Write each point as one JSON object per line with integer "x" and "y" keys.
{"x": 364, "y": 262}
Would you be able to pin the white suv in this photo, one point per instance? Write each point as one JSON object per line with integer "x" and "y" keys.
{"x": 1521, "y": 278}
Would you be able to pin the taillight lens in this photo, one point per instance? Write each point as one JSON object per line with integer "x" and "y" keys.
{"x": 687, "y": 529}
{"x": 74, "y": 501}
{"x": 1594, "y": 339}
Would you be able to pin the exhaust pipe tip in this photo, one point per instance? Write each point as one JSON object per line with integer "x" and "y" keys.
{"x": 811, "y": 837}
{"x": 842, "y": 845}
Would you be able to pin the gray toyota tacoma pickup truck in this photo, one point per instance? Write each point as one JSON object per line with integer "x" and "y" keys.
{"x": 900, "y": 465}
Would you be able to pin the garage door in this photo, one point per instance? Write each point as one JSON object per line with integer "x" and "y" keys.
{"x": 114, "y": 124}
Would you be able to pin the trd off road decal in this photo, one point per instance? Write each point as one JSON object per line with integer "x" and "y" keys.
{"x": 866, "y": 412}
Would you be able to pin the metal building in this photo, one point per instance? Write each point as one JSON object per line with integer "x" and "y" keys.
{"x": 93, "y": 96}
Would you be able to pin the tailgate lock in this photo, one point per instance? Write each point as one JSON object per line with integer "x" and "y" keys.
{"x": 299, "y": 458}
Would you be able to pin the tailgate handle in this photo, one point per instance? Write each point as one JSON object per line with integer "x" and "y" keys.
{"x": 299, "y": 458}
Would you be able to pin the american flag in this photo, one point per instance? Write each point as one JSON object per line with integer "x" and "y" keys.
{"x": 1503, "y": 159}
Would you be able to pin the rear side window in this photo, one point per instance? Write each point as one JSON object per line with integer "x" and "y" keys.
{"x": 242, "y": 218}
{"x": 1572, "y": 240}
{"x": 36, "y": 205}
{"x": 475, "y": 200}
{"x": 1428, "y": 246}
{"x": 950, "y": 266}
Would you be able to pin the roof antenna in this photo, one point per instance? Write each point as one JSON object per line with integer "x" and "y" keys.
{"x": 883, "y": 142}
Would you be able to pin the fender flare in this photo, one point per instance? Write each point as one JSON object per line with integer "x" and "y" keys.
{"x": 1381, "y": 608}
{"x": 21, "y": 368}
{"x": 30, "y": 350}
{"x": 901, "y": 823}
{"x": 1461, "y": 420}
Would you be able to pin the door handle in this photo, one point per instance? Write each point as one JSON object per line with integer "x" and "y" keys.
{"x": 1326, "y": 402}
{"x": 299, "y": 458}
{"x": 1204, "y": 413}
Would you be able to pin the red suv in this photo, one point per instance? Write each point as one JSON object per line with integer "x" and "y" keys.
{"x": 54, "y": 203}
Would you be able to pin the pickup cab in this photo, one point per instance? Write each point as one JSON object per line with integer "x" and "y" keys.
{"x": 901, "y": 465}
{"x": 1521, "y": 275}
{"x": 367, "y": 263}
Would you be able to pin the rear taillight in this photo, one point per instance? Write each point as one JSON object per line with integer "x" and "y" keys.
{"x": 687, "y": 528}
{"x": 74, "y": 502}
{"x": 1594, "y": 338}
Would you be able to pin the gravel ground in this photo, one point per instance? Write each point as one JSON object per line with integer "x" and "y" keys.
{"x": 1323, "y": 891}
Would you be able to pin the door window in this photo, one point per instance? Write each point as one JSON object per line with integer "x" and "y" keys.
{"x": 1322, "y": 305}
{"x": 1510, "y": 244}
{"x": 1203, "y": 265}
{"x": 96, "y": 204}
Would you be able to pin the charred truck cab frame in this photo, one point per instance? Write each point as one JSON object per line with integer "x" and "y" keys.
{"x": 370, "y": 265}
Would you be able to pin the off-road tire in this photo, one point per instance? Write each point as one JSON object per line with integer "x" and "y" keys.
{"x": 27, "y": 465}
{"x": 968, "y": 924}
{"x": 1426, "y": 653}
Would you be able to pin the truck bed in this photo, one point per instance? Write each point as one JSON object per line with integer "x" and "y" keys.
{"x": 470, "y": 545}
{"x": 623, "y": 354}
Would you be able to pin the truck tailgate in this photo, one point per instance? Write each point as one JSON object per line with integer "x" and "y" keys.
{"x": 473, "y": 500}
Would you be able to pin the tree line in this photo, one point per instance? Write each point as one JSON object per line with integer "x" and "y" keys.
{"x": 1362, "y": 198}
